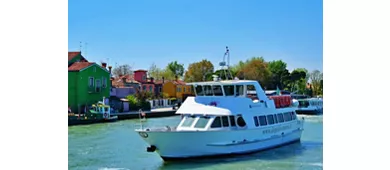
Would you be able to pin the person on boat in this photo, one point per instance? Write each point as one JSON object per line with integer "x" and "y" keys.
{"x": 69, "y": 110}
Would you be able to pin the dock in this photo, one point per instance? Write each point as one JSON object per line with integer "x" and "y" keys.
{"x": 158, "y": 112}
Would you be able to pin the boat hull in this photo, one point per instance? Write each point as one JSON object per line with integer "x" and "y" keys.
{"x": 186, "y": 144}
{"x": 309, "y": 111}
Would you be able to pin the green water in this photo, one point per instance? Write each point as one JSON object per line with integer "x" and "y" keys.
{"x": 117, "y": 146}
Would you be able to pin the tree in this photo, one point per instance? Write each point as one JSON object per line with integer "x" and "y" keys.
{"x": 316, "y": 77}
{"x": 298, "y": 80}
{"x": 176, "y": 69}
{"x": 280, "y": 76}
{"x": 199, "y": 71}
{"x": 255, "y": 69}
{"x": 167, "y": 74}
{"x": 155, "y": 72}
{"x": 124, "y": 69}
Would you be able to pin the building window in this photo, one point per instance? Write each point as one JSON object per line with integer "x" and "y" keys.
{"x": 91, "y": 82}
{"x": 184, "y": 89}
{"x": 104, "y": 82}
{"x": 150, "y": 88}
{"x": 98, "y": 85}
{"x": 144, "y": 88}
{"x": 144, "y": 77}
{"x": 159, "y": 89}
{"x": 94, "y": 69}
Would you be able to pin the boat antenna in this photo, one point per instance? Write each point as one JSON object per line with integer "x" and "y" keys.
{"x": 225, "y": 70}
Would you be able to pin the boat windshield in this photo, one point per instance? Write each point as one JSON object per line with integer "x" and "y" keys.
{"x": 188, "y": 121}
{"x": 202, "y": 122}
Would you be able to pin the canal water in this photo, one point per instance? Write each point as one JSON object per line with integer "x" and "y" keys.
{"x": 116, "y": 146}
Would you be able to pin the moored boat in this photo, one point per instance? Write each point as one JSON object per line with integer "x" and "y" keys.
{"x": 310, "y": 106}
{"x": 99, "y": 113}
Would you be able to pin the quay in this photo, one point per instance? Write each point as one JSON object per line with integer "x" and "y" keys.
{"x": 159, "y": 112}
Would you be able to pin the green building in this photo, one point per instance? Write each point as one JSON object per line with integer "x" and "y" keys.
{"x": 88, "y": 82}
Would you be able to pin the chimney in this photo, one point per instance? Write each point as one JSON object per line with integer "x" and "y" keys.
{"x": 124, "y": 79}
{"x": 109, "y": 69}
{"x": 104, "y": 65}
{"x": 176, "y": 78}
{"x": 163, "y": 80}
{"x": 151, "y": 79}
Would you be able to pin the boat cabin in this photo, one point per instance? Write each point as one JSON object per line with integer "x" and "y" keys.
{"x": 231, "y": 88}
{"x": 101, "y": 108}
{"x": 232, "y": 122}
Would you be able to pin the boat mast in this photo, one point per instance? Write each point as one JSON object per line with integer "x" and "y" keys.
{"x": 225, "y": 70}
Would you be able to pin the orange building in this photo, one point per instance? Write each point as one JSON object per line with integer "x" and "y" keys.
{"x": 176, "y": 89}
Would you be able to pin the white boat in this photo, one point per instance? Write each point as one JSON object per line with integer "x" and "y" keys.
{"x": 309, "y": 106}
{"x": 224, "y": 118}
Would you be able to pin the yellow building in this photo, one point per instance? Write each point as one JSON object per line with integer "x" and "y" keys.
{"x": 177, "y": 89}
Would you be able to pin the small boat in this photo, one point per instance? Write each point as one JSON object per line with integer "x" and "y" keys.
{"x": 310, "y": 106}
{"x": 98, "y": 113}
{"x": 105, "y": 110}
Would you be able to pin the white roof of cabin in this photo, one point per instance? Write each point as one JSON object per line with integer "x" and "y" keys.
{"x": 191, "y": 107}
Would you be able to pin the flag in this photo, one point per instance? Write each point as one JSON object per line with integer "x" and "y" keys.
{"x": 278, "y": 91}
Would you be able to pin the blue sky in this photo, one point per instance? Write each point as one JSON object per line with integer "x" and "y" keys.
{"x": 140, "y": 33}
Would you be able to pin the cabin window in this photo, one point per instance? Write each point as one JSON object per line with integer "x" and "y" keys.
{"x": 217, "y": 90}
{"x": 255, "y": 118}
{"x": 188, "y": 121}
{"x": 217, "y": 122}
{"x": 229, "y": 90}
{"x": 287, "y": 116}
{"x": 239, "y": 90}
{"x": 241, "y": 122}
{"x": 293, "y": 116}
{"x": 225, "y": 121}
{"x": 275, "y": 118}
{"x": 251, "y": 92}
{"x": 199, "y": 90}
{"x": 232, "y": 121}
{"x": 263, "y": 120}
{"x": 208, "y": 91}
{"x": 280, "y": 117}
{"x": 270, "y": 119}
{"x": 202, "y": 122}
